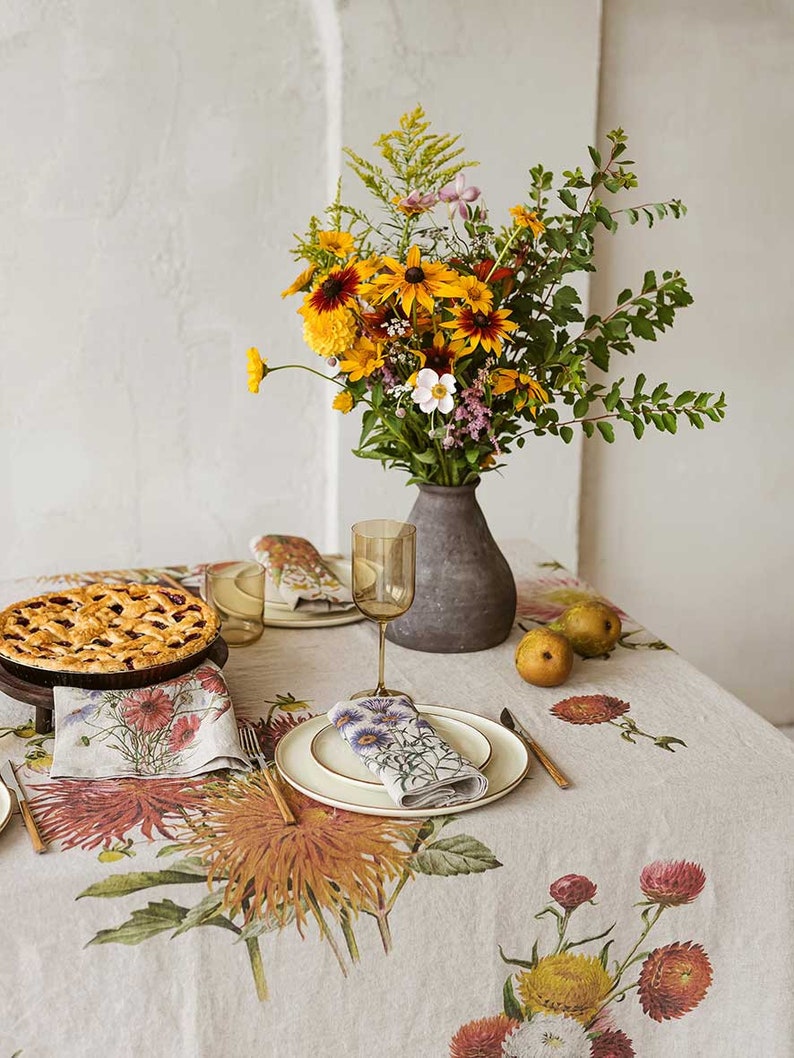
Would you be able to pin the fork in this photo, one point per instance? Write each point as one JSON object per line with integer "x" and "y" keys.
{"x": 251, "y": 746}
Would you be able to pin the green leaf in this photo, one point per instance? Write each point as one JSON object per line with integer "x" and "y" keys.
{"x": 567, "y": 198}
{"x": 670, "y": 421}
{"x": 638, "y": 426}
{"x": 205, "y": 910}
{"x": 460, "y": 854}
{"x": 649, "y": 282}
{"x": 588, "y": 429}
{"x": 684, "y": 398}
{"x": 605, "y": 217}
{"x": 123, "y": 884}
{"x": 566, "y": 433}
{"x": 144, "y": 923}
{"x": 624, "y": 296}
{"x": 527, "y": 965}
{"x": 642, "y": 327}
{"x": 633, "y": 216}
{"x": 427, "y": 457}
{"x": 596, "y": 156}
{"x": 511, "y": 1004}
{"x": 606, "y": 431}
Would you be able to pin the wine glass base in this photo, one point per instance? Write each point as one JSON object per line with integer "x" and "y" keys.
{"x": 384, "y": 692}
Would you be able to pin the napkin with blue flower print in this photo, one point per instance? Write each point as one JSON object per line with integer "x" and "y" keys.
{"x": 400, "y": 746}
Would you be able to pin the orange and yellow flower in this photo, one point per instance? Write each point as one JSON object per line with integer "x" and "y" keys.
{"x": 440, "y": 356}
{"x": 336, "y": 290}
{"x": 343, "y": 402}
{"x": 486, "y": 329}
{"x": 330, "y": 860}
{"x": 339, "y": 243}
{"x": 476, "y": 294}
{"x": 257, "y": 369}
{"x": 328, "y": 334}
{"x": 416, "y": 282}
{"x": 575, "y": 985}
{"x": 527, "y": 218}
{"x": 362, "y": 359}
{"x": 506, "y": 379}
{"x": 301, "y": 281}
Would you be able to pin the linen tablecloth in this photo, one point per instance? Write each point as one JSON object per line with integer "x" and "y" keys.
{"x": 179, "y": 918}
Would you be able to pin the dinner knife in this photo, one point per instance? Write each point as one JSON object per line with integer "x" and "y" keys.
{"x": 510, "y": 721}
{"x": 8, "y": 775}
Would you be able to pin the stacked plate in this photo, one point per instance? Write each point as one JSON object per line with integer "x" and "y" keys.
{"x": 317, "y": 761}
{"x": 279, "y": 615}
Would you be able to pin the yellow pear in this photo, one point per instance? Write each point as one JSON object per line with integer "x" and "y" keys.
{"x": 544, "y": 658}
{"x": 592, "y": 627}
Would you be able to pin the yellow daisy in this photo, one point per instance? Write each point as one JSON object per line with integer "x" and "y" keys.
{"x": 343, "y": 402}
{"x": 300, "y": 282}
{"x": 257, "y": 369}
{"x": 476, "y": 294}
{"x": 575, "y": 985}
{"x": 339, "y": 243}
{"x": 362, "y": 359}
{"x": 505, "y": 380}
{"x": 487, "y": 329}
{"x": 329, "y": 334}
{"x": 416, "y": 281}
{"x": 527, "y": 218}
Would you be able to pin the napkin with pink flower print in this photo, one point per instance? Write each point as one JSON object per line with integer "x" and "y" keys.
{"x": 183, "y": 727}
{"x": 417, "y": 767}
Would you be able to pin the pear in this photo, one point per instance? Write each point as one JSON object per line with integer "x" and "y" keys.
{"x": 544, "y": 658}
{"x": 592, "y": 627}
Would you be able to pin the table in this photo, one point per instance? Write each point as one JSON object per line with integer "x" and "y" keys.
{"x": 144, "y": 930}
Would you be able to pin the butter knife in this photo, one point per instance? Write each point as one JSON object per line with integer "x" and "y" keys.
{"x": 510, "y": 721}
{"x": 8, "y": 775}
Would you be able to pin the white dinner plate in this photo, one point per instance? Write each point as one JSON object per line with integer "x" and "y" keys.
{"x": 508, "y": 765}
{"x": 5, "y": 805}
{"x": 334, "y": 755}
{"x": 280, "y": 616}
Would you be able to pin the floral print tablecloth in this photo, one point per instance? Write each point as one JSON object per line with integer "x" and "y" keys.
{"x": 645, "y": 911}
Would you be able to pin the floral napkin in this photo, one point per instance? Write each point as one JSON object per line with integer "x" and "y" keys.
{"x": 417, "y": 767}
{"x": 297, "y": 576}
{"x": 183, "y": 727}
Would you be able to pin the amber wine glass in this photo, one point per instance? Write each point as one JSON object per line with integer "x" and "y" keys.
{"x": 384, "y": 571}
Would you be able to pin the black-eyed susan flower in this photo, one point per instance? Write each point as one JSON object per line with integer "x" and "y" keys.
{"x": 300, "y": 282}
{"x": 506, "y": 380}
{"x": 440, "y": 356}
{"x": 476, "y": 294}
{"x": 257, "y": 369}
{"x": 416, "y": 281}
{"x": 527, "y": 218}
{"x": 362, "y": 359}
{"x": 434, "y": 391}
{"x": 337, "y": 290}
{"x": 339, "y": 243}
{"x": 475, "y": 327}
{"x": 343, "y": 402}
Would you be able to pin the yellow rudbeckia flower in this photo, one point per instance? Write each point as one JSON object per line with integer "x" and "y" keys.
{"x": 343, "y": 402}
{"x": 416, "y": 281}
{"x": 527, "y": 218}
{"x": 362, "y": 359}
{"x": 476, "y": 294}
{"x": 339, "y": 243}
{"x": 300, "y": 282}
{"x": 505, "y": 380}
{"x": 257, "y": 369}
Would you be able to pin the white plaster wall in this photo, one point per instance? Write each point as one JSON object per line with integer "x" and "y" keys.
{"x": 693, "y": 533}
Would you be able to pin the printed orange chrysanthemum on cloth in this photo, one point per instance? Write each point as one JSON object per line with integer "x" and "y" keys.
{"x": 673, "y": 980}
{"x": 334, "y": 860}
{"x": 589, "y": 709}
{"x": 612, "y": 1044}
{"x": 575, "y": 985}
{"x": 482, "y": 1038}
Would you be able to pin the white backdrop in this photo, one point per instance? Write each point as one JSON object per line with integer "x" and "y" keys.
{"x": 156, "y": 159}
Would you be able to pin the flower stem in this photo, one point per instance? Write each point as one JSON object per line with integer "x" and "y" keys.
{"x": 325, "y": 931}
{"x": 383, "y": 922}
{"x": 257, "y": 968}
{"x": 350, "y": 937}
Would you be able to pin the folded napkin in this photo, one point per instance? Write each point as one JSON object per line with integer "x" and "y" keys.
{"x": 297, "y": 576}
{"x": 183, "y": 727}
{"x": 417, "y": 767}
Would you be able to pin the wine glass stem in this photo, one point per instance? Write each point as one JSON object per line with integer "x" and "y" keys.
{"x": 381, "y": 656}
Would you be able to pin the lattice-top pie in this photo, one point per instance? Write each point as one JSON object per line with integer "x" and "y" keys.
{"x": 106, "y": 628}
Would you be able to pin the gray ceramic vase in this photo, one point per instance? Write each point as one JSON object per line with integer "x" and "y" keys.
{"x": 465, "y": 593}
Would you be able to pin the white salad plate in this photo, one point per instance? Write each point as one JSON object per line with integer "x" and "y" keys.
{"x": 5, "y": 804}
{"x": 277, "y": 615}
{"x": 507, "y": 767}
{"x": 334, "y": 755}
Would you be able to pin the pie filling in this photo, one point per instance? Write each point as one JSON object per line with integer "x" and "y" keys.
{"x": 106, "y": 628}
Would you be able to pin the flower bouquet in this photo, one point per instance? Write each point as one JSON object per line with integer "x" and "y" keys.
{"x": 458, "y": 337}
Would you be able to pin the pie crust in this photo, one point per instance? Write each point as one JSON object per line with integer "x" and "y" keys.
{"x": 106, "y": 628}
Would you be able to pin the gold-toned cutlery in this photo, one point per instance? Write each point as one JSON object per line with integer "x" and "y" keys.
{"x": 510, "y": 722}
{"x": 250, "y": 744}
{"x": 8, "y": 776}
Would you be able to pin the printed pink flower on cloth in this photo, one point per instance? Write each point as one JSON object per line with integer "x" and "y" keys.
{"x": 612, "y": 1044}
{"x": 183, "y": 732}
{"x": 482, "y": 1038}
{"x": 672, "y": 882}
{"x": 545, "y": 598}
{"x": 148, "y": 709}
{"x": 572, "y": 890}
{"x": 589, "y": 709}
{"x": 211, "y": 680}
{"x": 673, "y": 980}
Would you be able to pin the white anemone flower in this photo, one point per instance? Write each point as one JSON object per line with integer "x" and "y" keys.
{"x": 547, "y": 1036}
{"x": 432, "y": 392}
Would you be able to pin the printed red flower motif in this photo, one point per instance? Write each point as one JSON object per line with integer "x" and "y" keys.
{"x": 148, "y": 709}
{"x": 572, "y": 890}
{"x": 613, "y": 1044}
{"x": 672, "y": 882}
{"x": 86, "y": 813}
{"x": 589, "y": 709}
{"x": 211, "y": 680}
{"x": 269, "y": 736}
{"x": 482, "y": 1038}
{"x": 673, "y": 980}
{"x": 183, "y": 732}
